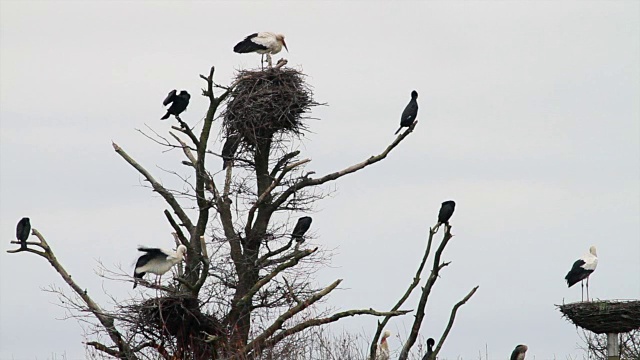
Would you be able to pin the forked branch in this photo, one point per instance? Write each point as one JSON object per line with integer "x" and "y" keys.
{"x": 107, "y": 322}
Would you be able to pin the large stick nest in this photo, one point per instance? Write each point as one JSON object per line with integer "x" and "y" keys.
{"x": 603, "y": 317}
{"x": 265, "y": 102}
{"x": 177, "y": 316}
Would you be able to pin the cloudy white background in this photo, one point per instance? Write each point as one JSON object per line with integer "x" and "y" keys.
{"x": 529, "y": 118}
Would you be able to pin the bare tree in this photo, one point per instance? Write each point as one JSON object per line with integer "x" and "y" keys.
{"x": 595, "y": 345}
{"x": 246, "y": 292}
{"x": 438, "y": 264}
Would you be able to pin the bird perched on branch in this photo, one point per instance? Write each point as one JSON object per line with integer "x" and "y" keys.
{"x": 178, "y": 103}
{"x": 157, "y": 261}
{"x": 264, "y": 43}
{"x": 446, "y": 210}
{"x": 382, "y": 351}
{"x": 430, "y": 343}
{"x": 22, "y": 232}
{"x": 229, "y": 149}
{"x": 303, "y": 225}
{"x": 519, "y": 352}
{"x": 410, "y": 112}
{"x": 582, "y": 269}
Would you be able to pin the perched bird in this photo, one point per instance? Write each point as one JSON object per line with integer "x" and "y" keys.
{"x": 446, "y": 210}
{"x": 410, "y": 112}
{"x": 301, "y": 228}
{"x": 382, "y": 351}
{"x": 581, "y": 270}
{"x": 229, "y": 149}
{"x": 430, "y": 343}
{"x": 262, "y": 43}
{"x": 178, "y": 103}
{"x": 22, "y": 232}
{"x": 157, "y": 261}
{"x": 519, "y": 352}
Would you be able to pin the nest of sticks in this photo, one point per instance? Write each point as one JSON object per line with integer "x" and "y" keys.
{"x": 266, "y": 102}
{"x": 177, "y": 316}
{"x": 602, "y": 317}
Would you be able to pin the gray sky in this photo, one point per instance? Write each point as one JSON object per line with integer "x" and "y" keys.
{"x": 529, "y": 119}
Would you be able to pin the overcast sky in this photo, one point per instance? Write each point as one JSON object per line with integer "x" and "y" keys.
{"x": 529, "y": 119}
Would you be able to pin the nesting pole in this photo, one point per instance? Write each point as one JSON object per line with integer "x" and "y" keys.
{"x": 605, "y": 317}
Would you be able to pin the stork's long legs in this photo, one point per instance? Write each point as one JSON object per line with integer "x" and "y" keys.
{"x": 582, "y": 292}
{"x": 587, "y": 289}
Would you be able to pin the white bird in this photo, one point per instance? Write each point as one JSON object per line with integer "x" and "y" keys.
{"x": 157, "y": 261}
{"x": 519, "y": 352}
{"x": 382, "y": 351}
{"x": 581, "y": 270}
{"x": 262, "y": 43}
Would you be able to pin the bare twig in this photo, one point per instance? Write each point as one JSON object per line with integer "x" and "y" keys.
{"x": 452, "y": 318}
{"x": 166, "y": 195}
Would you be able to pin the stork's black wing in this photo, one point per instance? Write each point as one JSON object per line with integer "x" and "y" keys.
{"x": 169, "y": 99}
{"x": 247, "y": 45}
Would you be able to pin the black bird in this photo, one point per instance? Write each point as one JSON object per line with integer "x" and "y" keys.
{"x": 22, "y": 232}
{"x": 229, "y": 149}
{"x": 446, "y": 210}
{"x": 178, "y": 103}
{"x": 301, "y": 228}
{"x": 519, "y": 352}
{"x": 410, "y": 112}
{"x": 430, "y": 343}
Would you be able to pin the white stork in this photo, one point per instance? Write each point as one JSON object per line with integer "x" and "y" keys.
{"x": 382, "y": 351}
{"x": 582, "y": 268}
{"x": 157, "y": 261}
{"x": 519, "y": 352}
{"x": 262, "y": 43}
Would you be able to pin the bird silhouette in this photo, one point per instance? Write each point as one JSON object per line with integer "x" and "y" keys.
{"x": 410, "y": 112}
{"x": 178, "y": 103}
{"x": 22, "y": 232}
{"x": 229, "y": 149}
{"x": 301, "y": 228}
{"x": 446, "y": 210}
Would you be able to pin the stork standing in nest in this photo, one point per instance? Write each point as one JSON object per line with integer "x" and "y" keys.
{"x": 157, "y": 261}
{"x": 382, "y": 351}
{"x": 264, "y": 43}
{"x": 582, "y": 269}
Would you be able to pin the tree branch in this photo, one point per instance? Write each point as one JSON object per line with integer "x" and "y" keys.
{"x": 452, "y": 318}
{"x": 260, "y": 283}
{"x": 412, "y": 286}
{"x": 259, "y": 341}
{"x": 304, "y": 182}
{"x": 166, "y": 195}
{"x": 420, "y": 313}
{"x": 106, "y": 320}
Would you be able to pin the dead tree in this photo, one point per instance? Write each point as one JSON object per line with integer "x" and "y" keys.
{"x": 241, "y": 293}
{"x": 438, "y": 264}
